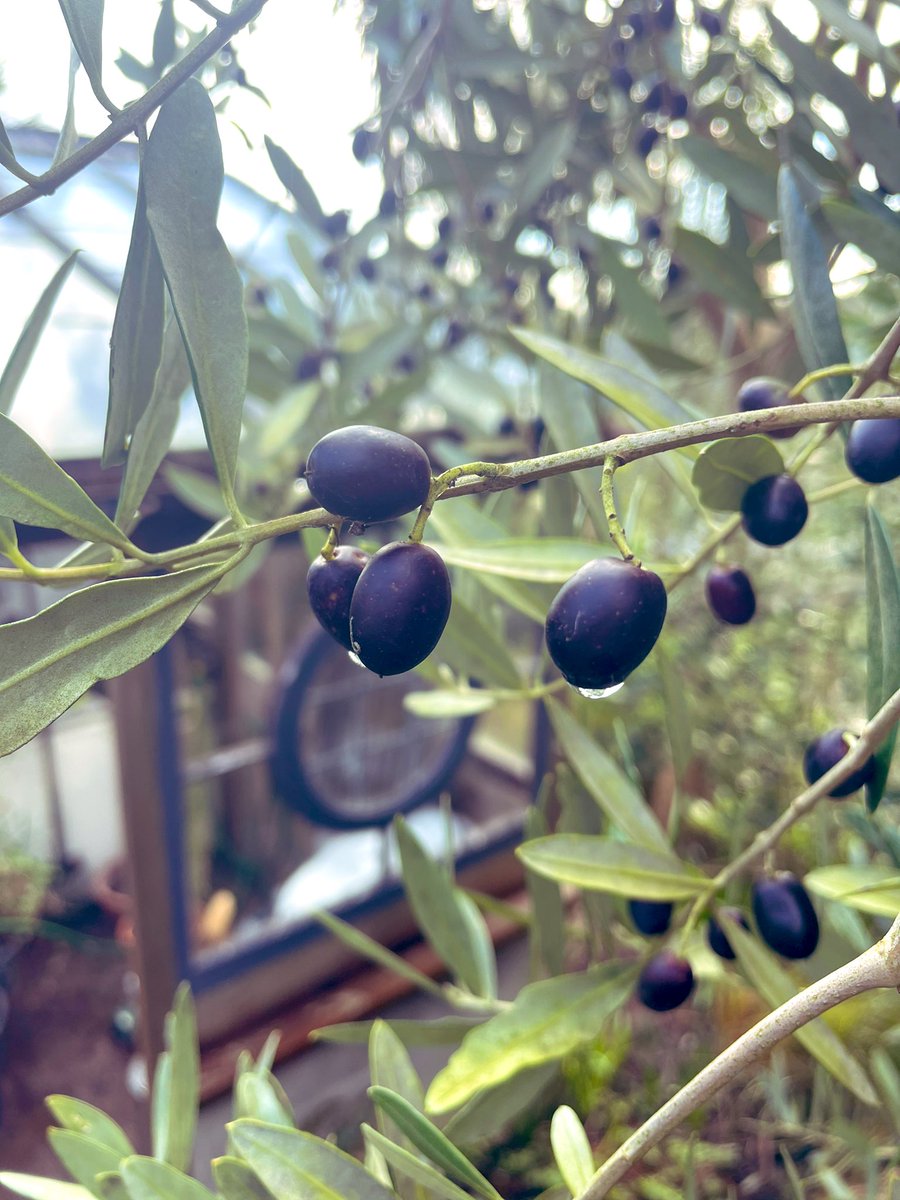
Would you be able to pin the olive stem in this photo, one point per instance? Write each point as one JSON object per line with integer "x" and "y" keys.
{"x": 445, "y": 481}
{"x": 874, "y": 733}
{"x": 608, "y": 495}
{"x": 877, "y": 967}
{"x": 823, "y": 373}
{"x": 331, "y": 543}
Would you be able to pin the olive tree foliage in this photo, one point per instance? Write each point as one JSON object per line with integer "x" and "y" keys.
{"x": 597, "y": 221}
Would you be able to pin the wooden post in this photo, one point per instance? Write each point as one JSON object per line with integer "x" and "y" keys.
{"x": 133, "y": 698}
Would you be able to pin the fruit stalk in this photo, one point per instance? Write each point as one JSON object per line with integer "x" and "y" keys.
{"x": 608, "y": 495}
{"x": 877, "y": 967}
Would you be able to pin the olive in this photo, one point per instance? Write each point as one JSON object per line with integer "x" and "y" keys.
{"x": 665, "y": 982}
{"x": 763, "y": 392}
{"x": 364, "y": 144}
{"x": 664, "y": 15}
{"x": 335, "y": 224}
{"x": 710, "y": 22}
{"x": 445, "y": 227}
{"x": 368, "y": 474}
{"x": 604, "y": 621}
{"x": 873, "y": 449}
{"x": 716, "y": 936}
{"x": 784, "y": 916}
{"x": 329, "y": 584}
{"x": 308, "y": 367}
{"x": 828, "y": 750}
{"x": 367, "y": 269}
{"x": 651, "y": 229}
{"x": 729, "y": 594}
{"x": 774, "y": 510}
{"x": 651, "y": 917}
{"x": 646, "y": 140}
{"x": 387, "y": 205}
{"x": 399, "y": 607}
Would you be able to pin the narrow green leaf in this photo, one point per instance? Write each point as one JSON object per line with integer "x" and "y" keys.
{"x": 547, "y": 1020}
{"x": 442, "y": 1031}
{"x": 164, "y": 44}
{"x": 154, "y": 431}
{"x": 872, "y": 889}
{"x": 433, "y": 1144}
{"x": 265, "y": 1060}
{"x": 835, "y": 13}
{"x": 51, "y": 659}
{"x": 293, "y": 1164}
{"x": 111, "y": 1186}
{"x": 637, "y": 309}
{"x": 613, "y": 791}
{"x": 150, "y": 1179}
{"x": 82, "y": 1117}
{"x": 887, "y": 1080}
{"x": 363, "y": 944}
{"x": 234, "y": 1180}
{"x": 816, "y": 322}
{"x": 176, "y": 1086}
{"x": 8, "y": 158}
{"x": 678, "y": 714}
{"x": 883, "y": 650}
{"x": 446, "y": 916}
{"x": 137, "y": 338}
{"x": 552, "y": 148}
{"x": 183, "y": 177}
{"x": 413, "y": 1168}
{"x": 391, "y": 1067}
{"x": 723, "y": 273}
{"x": 775, "y": 986}
{"x": 538, "y": 560}
{"x": 442, "y": 704}
{"x": 85, "y": 21}
{"x": 9, "y": 541}
{"x": 601, "y": 864}
{"x": 571, "y": 1149}
{"x": 36, "y": 490}
{"x": 474, "y": 645}
{"x": 640, "y": 398}
{"x": 296, "y": 183}
{"x": 68, "y": 134}
{"x": 82, "y": 1156}
{"x": 24, "y": 348}
{"x": 262, "y": 1096}
{"x": 196, "y": 490}
{"x": 724, "y": 470}
{"x": 548, "y": 930}
{"x": 484, "y": 1117}
{"x": 36, "y": 1187}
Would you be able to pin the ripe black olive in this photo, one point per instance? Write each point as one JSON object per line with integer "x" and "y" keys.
{"x": 329, "y": 584}
{"x": 764, "y": 392}
{"x": 784, "y": 916}
{"x": 665, "y": 982}
{"x": 729, "y": 594}
{"x": 399, "y": 608}
{"x": 710, "y": 22}
{"x": 651, "y": 917}
{"x": 387, "y": 205}
{"x": 646, "y": 140}
{"x": 822, "y": 754}
{"x": 368, "y": 474}
{"x": 774, "y": 509}
{"x": 716, "y": 936}
{"x": 873, "y": 449}
{"x": 604, "y": 621}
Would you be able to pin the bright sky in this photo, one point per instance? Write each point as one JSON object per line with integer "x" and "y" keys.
{"x": 305, "y": 56}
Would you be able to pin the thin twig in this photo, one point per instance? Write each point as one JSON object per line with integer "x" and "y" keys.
{"x": 134, "y": 115}
{"x": 877, "y": 967}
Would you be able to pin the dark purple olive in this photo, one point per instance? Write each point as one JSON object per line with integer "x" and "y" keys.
{"x": 656, "y": 96}
{"x": 368, "y": 474}
{"x": 367, "y": 269}
{"x": 621, "y": 78}
{"x": 329, "y": 584}
{"x": 651, "y": 229}
{"x": 636, "y": 21}
{"x": 716, "y": 936}
{"x": 774, "y": 510}
{"x": 873, "y": 449}
{"x": 828, "y": 750}
{"x": 364, "y": 145}
{"x": 387, "y": 205}
{"x": 664, "y": 15}
{"x": 710, "y": 22}
{"x": 439, "y": 259}
{"x": 335, "y": 224}
{"x": 729, "y": 594}
{"x": 399, "y": 608}
{"x": 456, "y": 333}
{"x": 678, "y": 105}
{"x": 487, "y": 212}
{"x": 766, "y": 393}
{"x": 784, "y": 916}
{"x": 646, "y": 140}
{"x": 665, "y": 982}
{"x": 651, "y": 917}
{"x": 604, "y": 621}
{"x": 445, "y": 227}
{"x": 308, "y": 367}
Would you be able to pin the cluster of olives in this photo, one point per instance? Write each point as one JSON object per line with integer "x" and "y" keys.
{"x": 774, "y": 509}
{"x": 782, "y": 910}
{"x": 389, "y": 609}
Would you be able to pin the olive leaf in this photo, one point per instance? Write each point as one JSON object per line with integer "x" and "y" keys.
{"x": 883, "y": 650}
{"x": 36, "y": 1187}
{"x": 137, "y": 337}
{"x": 601, "y": 864}
{"x": 725, "y": 469}
{"x": 51, "y": 659}
{"x": 183, "y": 178}
{"x": 85, "y": 21}
{"x": 176, "y": 1085}
{"x": 24, "y": 348}
{"x": 150, "y": 1179}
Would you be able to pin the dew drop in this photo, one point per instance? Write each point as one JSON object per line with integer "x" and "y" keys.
{"x": 600, "y": 693}
{"x": 354, "y": 658}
